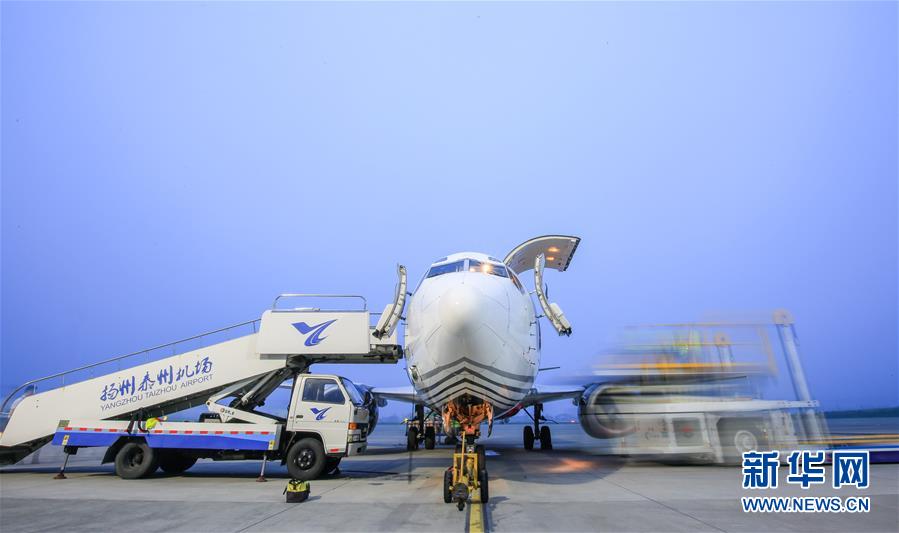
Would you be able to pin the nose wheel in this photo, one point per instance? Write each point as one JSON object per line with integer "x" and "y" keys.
{"x": 537, "y": 432}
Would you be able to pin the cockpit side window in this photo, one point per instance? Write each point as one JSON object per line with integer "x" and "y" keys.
{"x": 516, "y": 281}
{"x": 437, "y": 270}
{"x": 487, "y": 268}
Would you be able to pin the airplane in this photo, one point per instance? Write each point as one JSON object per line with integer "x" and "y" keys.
{"x": 473, "y": 339}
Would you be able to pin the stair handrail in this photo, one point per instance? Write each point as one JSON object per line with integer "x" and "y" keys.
{"x": 307, "y": 295}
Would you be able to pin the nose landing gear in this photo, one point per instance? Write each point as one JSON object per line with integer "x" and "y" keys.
{"x": 537, "y": 432}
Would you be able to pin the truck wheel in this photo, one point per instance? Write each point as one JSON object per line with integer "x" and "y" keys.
{"x": 430, "y": 438}
{"x": 546, "y": 438}
{"x": 738, "y": 437}
{"x": 135, "y": 460}
{"x": 482, "y": 457}
{"x": 412, "y": 439}
{"x": 528, "y": 438}
{"x": 332, "y": 464}
{"x": 306, "y": 459}
{"x": 485, "y": 490}
{"x": 174, "y": 462}
{"x": 448, "y": 486}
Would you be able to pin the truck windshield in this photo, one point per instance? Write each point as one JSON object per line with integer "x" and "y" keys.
{"x": 355, "y": 395}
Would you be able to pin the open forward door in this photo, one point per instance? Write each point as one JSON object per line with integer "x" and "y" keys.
{"x": 548, "y": 251}
{"x": 557, "y": 249}
{"x": 393, "y": 312}
{"x": 551, "y": 310}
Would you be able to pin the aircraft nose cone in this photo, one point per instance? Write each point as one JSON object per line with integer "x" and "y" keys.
{"x": 460, "y": 307}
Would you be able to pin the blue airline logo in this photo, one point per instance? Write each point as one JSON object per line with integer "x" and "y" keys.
{"x": 319, "y": 413}
{"x": 315, "y": 331}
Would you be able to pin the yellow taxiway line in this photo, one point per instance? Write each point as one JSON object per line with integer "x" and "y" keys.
{"x": 475, "y": 515}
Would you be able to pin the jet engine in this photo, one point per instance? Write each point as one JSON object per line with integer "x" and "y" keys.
{"x": 372, "y": 404}
{"x": 598, "y": 414}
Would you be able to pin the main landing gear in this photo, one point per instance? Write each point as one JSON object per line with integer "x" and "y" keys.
{"x": 537, "y": 432}
{"x": 467, "y": 476}
{"x": 415, "y": 427}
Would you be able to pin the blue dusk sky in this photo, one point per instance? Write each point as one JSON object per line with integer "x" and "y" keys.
{"x": 168, "y": 168}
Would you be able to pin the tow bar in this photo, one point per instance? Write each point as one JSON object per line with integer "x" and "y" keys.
{"x": 467, "y": 475}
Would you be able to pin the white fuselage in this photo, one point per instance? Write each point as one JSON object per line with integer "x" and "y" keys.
{"x": 472, "y": 331}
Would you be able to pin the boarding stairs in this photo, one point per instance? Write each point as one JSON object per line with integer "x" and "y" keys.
{"x": 273, "y": 348}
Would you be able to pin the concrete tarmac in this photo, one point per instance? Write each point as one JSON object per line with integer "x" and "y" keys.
{"x": 572, "y": 488}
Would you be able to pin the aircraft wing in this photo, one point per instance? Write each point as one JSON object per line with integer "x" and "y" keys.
{"x": 551, "y": 393}
{"x": 714, "y": 374}
{"x": 545, "y": 393}
{"x": 401, "y": 394}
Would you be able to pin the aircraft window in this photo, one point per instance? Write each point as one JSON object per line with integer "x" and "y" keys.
{"x": 487, "y": 268}
{"x": 322, "y": 390}
{"x": 437, "y": 270}
{"x": 516, "y": 281}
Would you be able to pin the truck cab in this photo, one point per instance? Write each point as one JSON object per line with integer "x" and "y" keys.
{"x": 330, "y": 407}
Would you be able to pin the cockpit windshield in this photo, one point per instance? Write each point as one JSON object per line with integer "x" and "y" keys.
{"x": 469, "y": 265}
{"x": 437, "y": 270}
{"x": 487, "y": 268}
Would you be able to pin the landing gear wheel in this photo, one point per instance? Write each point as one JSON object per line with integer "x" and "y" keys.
{"x": 412, "y": 439}
{"x": 332, "y": 465}
{"x": 482, "y": 458}
{"x": 482, "y": 481}
{"x": 528, "y": 438}
{"x": 306, "y": 459}
{"x": 430, "y": 438}
{"x": 546, "y": 439}
{"x": 448, "y": 486}
{"x": 174, "y": 462}
{"x": 136, "y": 460}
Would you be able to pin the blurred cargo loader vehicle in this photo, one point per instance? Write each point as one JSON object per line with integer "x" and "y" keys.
{"x": 683, "y": 393}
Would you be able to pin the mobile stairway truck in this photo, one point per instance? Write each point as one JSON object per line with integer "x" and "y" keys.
{"x": 328, "y": 417}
